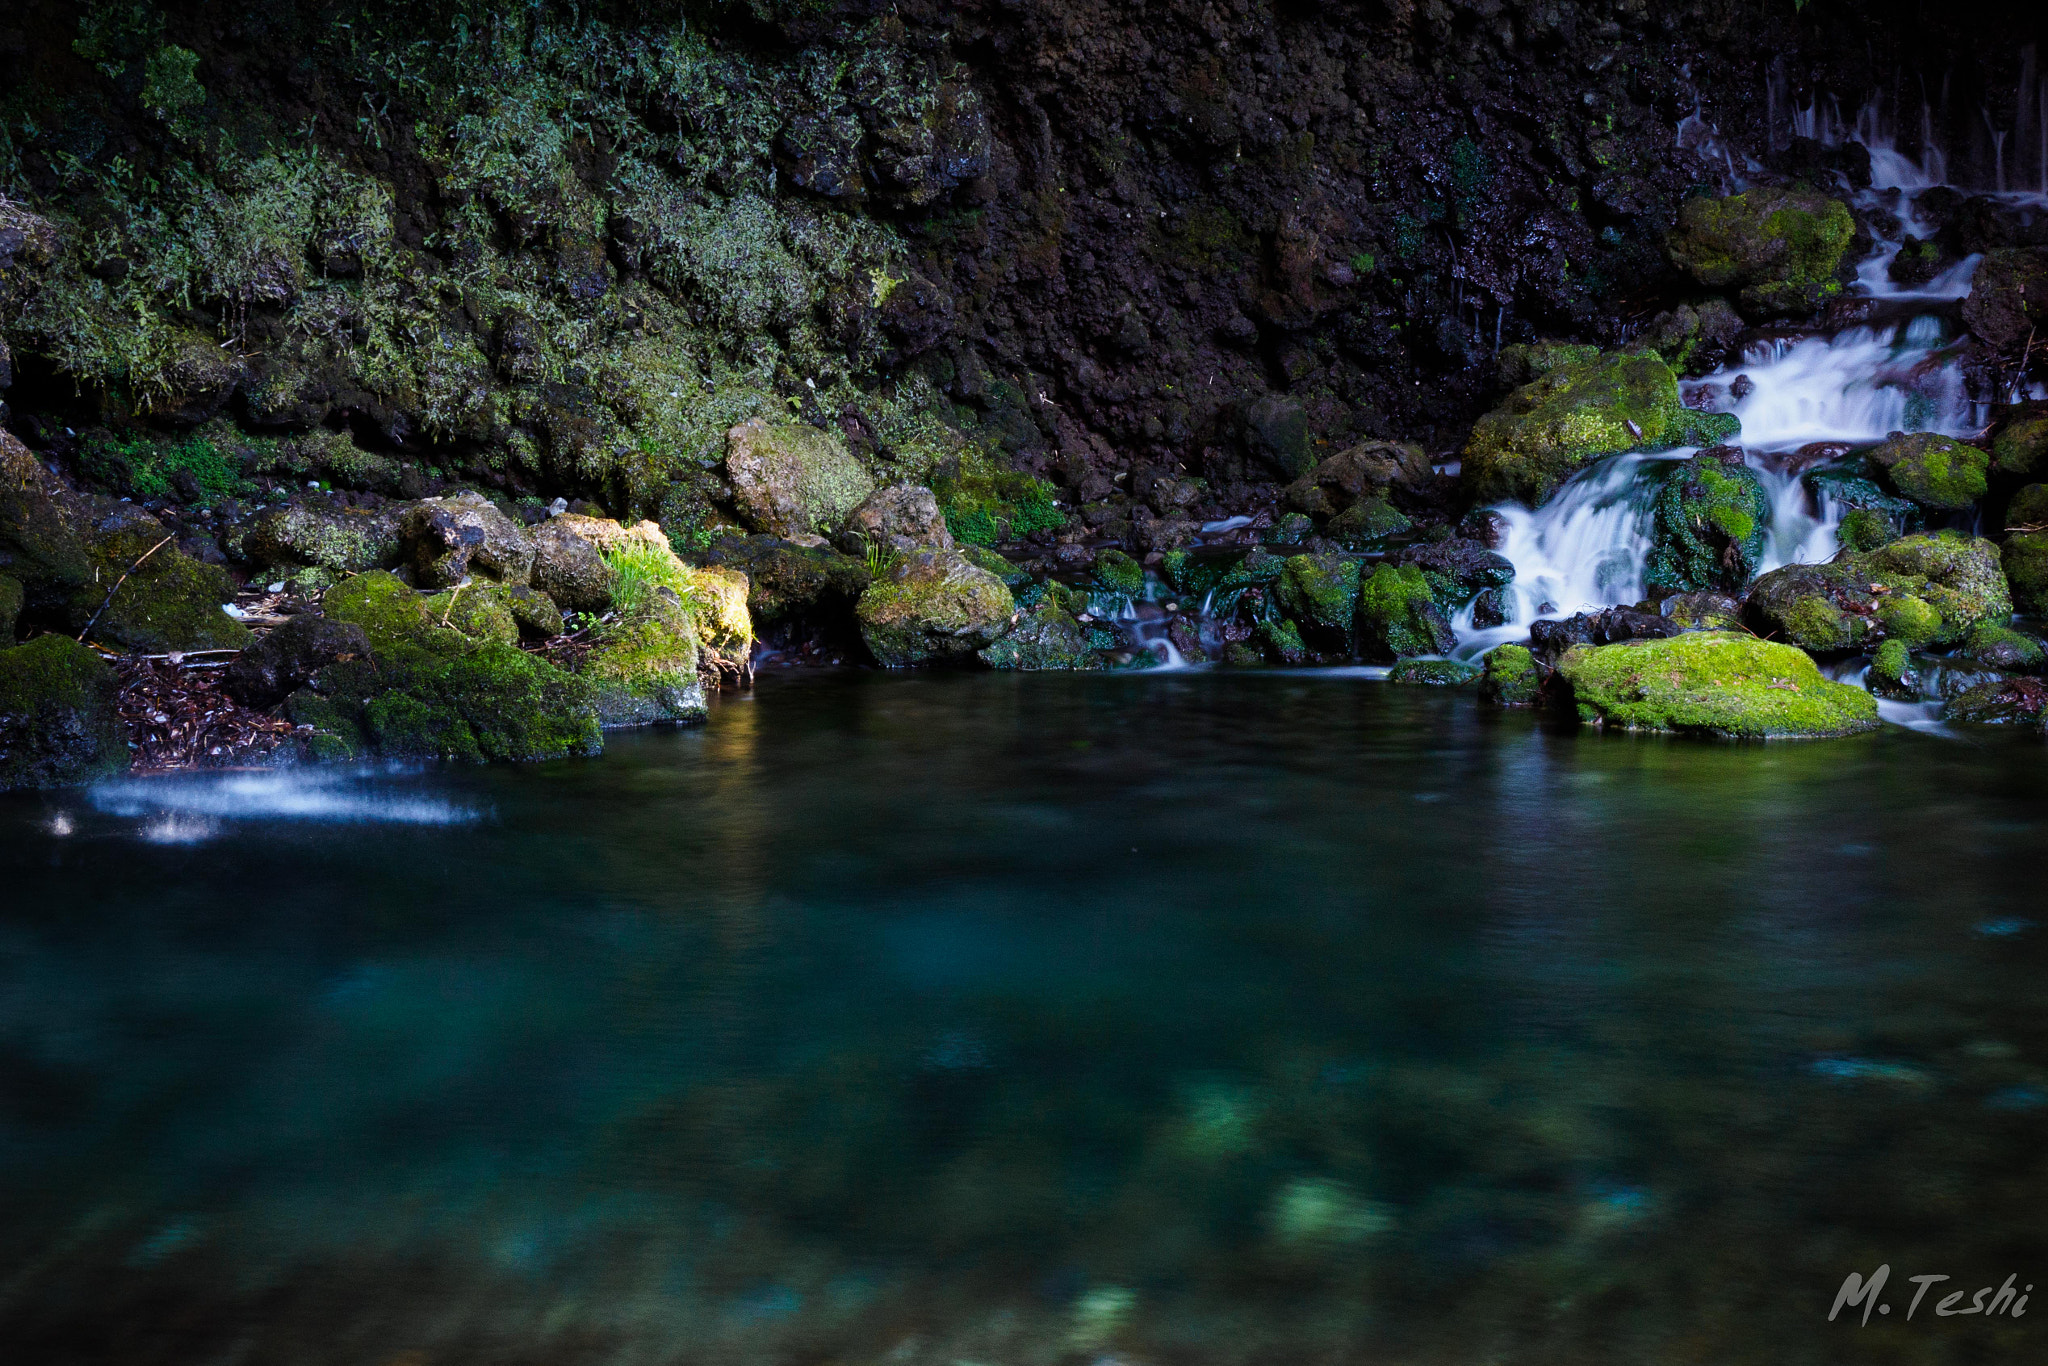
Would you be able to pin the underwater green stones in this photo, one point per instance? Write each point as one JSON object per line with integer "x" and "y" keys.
{"x": 1714, "y": 683}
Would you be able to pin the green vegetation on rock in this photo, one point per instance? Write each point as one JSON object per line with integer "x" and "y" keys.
{"x": 1709, "y": 527}
{"x": 1510, "y": 677}
{"x": 1934, "y": 471}
{"x": 1398, "y": 615}
{"x": 57, "y": 719}
{"x": 2025, "y": 560}
{"x": 1433, "y": 673}
{"x": 1044, "y": 637}
{"x": 1925, "y": 589}
{"x": 931, "y": 607}
{"x": 1320, "y": 594}
{"x": 1782, "y": 248}
{"x": 1713, "y": 683}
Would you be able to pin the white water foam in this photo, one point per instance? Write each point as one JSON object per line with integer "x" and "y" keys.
{"x": 189, "y": 808}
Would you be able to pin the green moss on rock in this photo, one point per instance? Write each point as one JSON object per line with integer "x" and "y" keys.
{"x": 1927, "y": 589}
{"x": 1045, "y": 637}
{"x": 793, "y": 480}
{"x": 1550, "y": 428}
{"x": 1320, "y": 594}
{"x": 168, "y": 601}
{"x": 2021, "y": 444}
{"x": 1368, "y": 523}
{"x": 2025, "y": 560}
{"x": 1781, "y": 248}
{"x": 1934, "y": 471}
{"x": 931, "y": 607}
{"x": 1709, "y": 524}
{"x": 2001, "y": 702}
{"x": 1713, "y": 683}
{"x": 58, "y": 723}
{"x": 1434, "y": 673}
{"x": 1891, "y": 672}
{"x": 1991, "y": 646}
{"x": 1118, "y": 573}
{"x": 11, "y": 597}
{"x": 1398, "y": 615}
{"x": 642, "y": 670}
{"x": 1510, "y": 677}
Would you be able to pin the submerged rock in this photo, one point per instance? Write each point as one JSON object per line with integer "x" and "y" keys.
{"x": 1924, "y": 590}
{"x": 1781, "y": 248}
{"x": 1552, "y": 427}
{"x": 1934, "y": 471}
{"x": 793, "y": 480}
{"x": 1434, "y": 673}
{"x": 930, "y": 607}
{"x": 1398, "y": 615}
{"x": 1710, "y": 522}
{"x": 2002, "y": 702}
{"x": 1715, "y": 683}
{"x": 58, "y": 722}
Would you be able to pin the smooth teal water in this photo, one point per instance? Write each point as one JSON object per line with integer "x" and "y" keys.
{"x": 993, "y": 1019}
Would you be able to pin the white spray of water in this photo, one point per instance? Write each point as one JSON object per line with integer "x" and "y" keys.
{"x": 189, "y": 808}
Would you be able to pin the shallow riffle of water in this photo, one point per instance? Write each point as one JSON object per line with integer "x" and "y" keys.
{"x": 1202, "y": 1017}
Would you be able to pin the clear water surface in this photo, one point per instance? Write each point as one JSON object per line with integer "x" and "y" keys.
{"x": 1191, "y": 1018}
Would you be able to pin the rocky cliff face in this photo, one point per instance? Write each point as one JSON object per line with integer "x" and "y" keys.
{"x": 1146, "y": 261}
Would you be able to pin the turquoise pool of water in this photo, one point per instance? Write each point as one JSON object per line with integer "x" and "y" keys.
{"x": 1187, "y": 1018}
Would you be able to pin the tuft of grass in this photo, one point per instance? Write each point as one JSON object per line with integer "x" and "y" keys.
{"x": 638, "y": 570}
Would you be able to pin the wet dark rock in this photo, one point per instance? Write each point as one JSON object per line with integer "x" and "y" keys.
{"x": 1548, "y": 640}
{"x": 1276, "y": 435}
{"x": 2003, "y": 702}
{"x": 285, "y": 660}
{"x": 569, "y": 568}
{"x": 58, "y": 718}
{"x": 1458, "y": 569}
{"x": 2008, "y": 300}
{"x": 448, "y": 538}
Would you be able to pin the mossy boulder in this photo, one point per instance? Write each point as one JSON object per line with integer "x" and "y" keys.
{"x": 2025, "y": 560}
{"x": 1510, "y": 677}
{"x": 1521, "y": 362}
{"x": 286, "y": 659}
{"x": 1458, "y": 568}
{"x": 1937, "y": 472}
{"x": 1694, "y": 338}
{"x": 2001, "y": 702}
{"x": 793, "y": 480}
{"x": 2000, "y": 648}
{"x": 1367, "y": 523}
{"x": 1925, "y": 590}
{"x": 931, "y": 607}
{"x": 2008, "y": 297}
{"x": 2021, "y": 447}
{"x": 899, "y": 517}
{"x": 11, "y": 598}
{"x": 41, "y": 545}
{"x": 1398, "y": 615}
{"x": 1320, "y": 594}
{"x": 1116, "y": 573}
{"x": 1865, "y": 529}
{"x": 1433, "y": 673}
{"x": 568, "y": 567}
{"x": 463, "y": 535}
{"x": 1712, "y": 683}
{"x": 168, "y": 601}
{"x": 1709, "y": 525}
{"x": 432, "y": 689}
{"x": 58, "y": 722}
{"x": 1782, "y": 249}
{"x": 1550, "y": 428}
{"x": 2028, "y": 510}
{"x": 642, "y": 670}
{"x": 1045, "y": 637}
{"x": 327, "y": 535}
{"x": 791, "y": 584}
{"x": 1891, "y": 672}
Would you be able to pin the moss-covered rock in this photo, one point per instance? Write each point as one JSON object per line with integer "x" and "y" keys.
{"x": 1320, "y": 594}
{"x": 1709, "y": 525}
{"x": 1521, "y": 362}
{"x": 168, "y": 601}
{"x": 432, "y": 689}
{"x": 450, "y": 539}
{"x": 1117, "y": 573}
{"x": 1510, "y": 677}
{"x": 1891, "y": 672}
{"x": 789, "y": 585}
{"x": 931, "y": 607}
{"x": 1713, "y": 683}
{"x": 1936, "y": 472}
{"x": 1694, "y": 338}
{"x": 568, "y": 567}
{"x": 41, "y": 544}
{"x": 11, "y": 597}
{"x": 1925, "y": 590}
{"x": 1703, "y": 611}
{"x": 2028, "y": 510}
{"x": 2000, "y": 648}
{"x": 1014, "y": 576}
{"x": 58, "y": 722}
{"x": 1433, "y": 673}
{"x": 1552, "y": 427}
{"x": 2008, "y": 297}
{"x": 1368, "y": 523}
{"x": 642, "y": 670}
{"x": 1781, "y": 248}
{"x": 2001, "y": 702}
{"x": 1398, "y": 615}
{"x": 1361, "y": 473}
{"x": 2025, "y": 560}
{"x": 2021, "y": 447}
{"x": 793, "y": 480}
{"x": 321, "y": 534}
{"x": 898, "y": 517}
{"x": 1865, "y": 529}
{"x": 1044, "y": 636}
